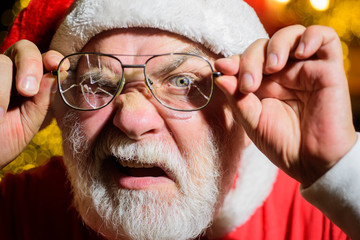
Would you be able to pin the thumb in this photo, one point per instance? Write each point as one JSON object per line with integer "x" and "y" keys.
{"x": 36, "y": 110}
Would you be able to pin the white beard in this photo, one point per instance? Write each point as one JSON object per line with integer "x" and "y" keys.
{"x": 141, "y": 214}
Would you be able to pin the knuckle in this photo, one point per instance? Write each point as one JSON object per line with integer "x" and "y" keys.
{"x": 300, "y": 27}
{"x": 29, "y": 61}
{"x": 321, "y": 28}
{"x": 53, "y": 52}
{"x": 23, "y": 48}
{"x": 19, "y": 46}
{"x": 297, "y": 28}
{"x": 23, "y": 43}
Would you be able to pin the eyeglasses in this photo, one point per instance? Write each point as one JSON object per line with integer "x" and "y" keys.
{"x": 179, "y": 81}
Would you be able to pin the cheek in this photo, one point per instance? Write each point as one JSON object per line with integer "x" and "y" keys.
{"x": 58, "y": 108}
{"x": 188, "y": 132}
{"x": 230, "y": 139}
{"x": 94, "y": 121}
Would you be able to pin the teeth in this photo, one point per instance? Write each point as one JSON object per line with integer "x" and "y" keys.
{"x": 135, "y": 164}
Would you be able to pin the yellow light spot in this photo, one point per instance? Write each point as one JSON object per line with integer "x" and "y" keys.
{"x": 24, "y": 3}
{"x": 320, "y": 5}
{"x": 28, "y": 166}
{"x": 282, "y": 1}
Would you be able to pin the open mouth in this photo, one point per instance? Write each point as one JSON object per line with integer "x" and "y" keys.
{"x": 133, "y": 174}
{"x": 137, "y": 169}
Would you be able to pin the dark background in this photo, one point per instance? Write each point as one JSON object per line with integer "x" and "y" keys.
{"x": 8, "y": 11}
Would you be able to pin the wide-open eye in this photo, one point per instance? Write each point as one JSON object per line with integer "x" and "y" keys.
{"x": 181, "y": 81}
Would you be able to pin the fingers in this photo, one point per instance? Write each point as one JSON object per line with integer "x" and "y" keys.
{"x": 271, "y": 68}
{"x": 51, "y": 60}
{"x": 320, "y": 40}
{"x": 29, "y": 68}
{"x": 24, "y": 62}
{"x": 300, "y": 43}
{"x": 48, "y": 85}
{"x": 281, "y": 46}
{"x": 6, "y": 67}
{"x": 272, "y": 56}
{"x": 251, "y": 66}
{"x": 247, "y": 67}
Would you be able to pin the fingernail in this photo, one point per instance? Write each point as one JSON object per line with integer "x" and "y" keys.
{"x": 29, "y": 84}
{"x": 247, "y": 81}
{"x": 272, "y": 60}
{"x": 301, "y": 48}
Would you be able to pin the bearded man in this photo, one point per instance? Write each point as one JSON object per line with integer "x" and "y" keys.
{"x": 163, "y": 108}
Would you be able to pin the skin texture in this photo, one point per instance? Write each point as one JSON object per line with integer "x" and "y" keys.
{"x": 288, "y": 93}
{"x": 140, "y": 117}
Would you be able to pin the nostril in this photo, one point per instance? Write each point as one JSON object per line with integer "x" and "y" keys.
{"x": 136, "y": 116}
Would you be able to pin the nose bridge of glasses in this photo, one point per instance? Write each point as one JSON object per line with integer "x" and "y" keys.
{"x": 133, "y": 65}
{"x": 133, "y": 72}
{"x": 134, "y": 78}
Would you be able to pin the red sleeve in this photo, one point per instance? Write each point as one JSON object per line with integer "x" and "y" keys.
{"x": 37, "y": 23}
{"x": 37, "y": 204}
{"x": 287, "y": 215}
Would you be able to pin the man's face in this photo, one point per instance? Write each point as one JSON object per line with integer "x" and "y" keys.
{"x": 140, "y": 170}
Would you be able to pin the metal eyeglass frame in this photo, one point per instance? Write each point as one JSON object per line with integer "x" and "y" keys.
{"x": 147, "y": 81}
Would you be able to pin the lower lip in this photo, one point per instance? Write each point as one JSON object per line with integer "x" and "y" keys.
{"x": 140, "y": 183}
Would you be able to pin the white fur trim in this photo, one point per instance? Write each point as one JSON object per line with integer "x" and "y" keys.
{"x": 225, "y": 27}
{"x": 254, "y": 184}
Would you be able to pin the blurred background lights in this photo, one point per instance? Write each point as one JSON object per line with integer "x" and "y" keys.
{"x": 320, "y": 5}
{"x": 282, "y": 1}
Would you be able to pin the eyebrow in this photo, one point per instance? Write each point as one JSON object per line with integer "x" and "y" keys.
{"x": 171, "y": 66}
{"x": 196, "y": 50}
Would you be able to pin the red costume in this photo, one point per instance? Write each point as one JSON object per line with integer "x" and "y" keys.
{"x": 37, "y": 205}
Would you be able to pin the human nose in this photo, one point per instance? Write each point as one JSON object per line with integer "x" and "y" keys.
{"x": 136, "y": 116}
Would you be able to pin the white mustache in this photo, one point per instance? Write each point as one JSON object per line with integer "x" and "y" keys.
{"x": 159, "y": 153}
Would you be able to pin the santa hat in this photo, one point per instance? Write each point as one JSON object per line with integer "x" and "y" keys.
{"x": 225, "y": 27}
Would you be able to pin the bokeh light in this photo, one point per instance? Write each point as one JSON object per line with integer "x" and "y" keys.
{"x": 282, "y": 1}
{"x": 320, "y": 5}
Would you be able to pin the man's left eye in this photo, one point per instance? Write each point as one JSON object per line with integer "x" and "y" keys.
{"x": 182, "y": 81}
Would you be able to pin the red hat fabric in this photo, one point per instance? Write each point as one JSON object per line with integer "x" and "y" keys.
{"x": 37, "y": 23}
